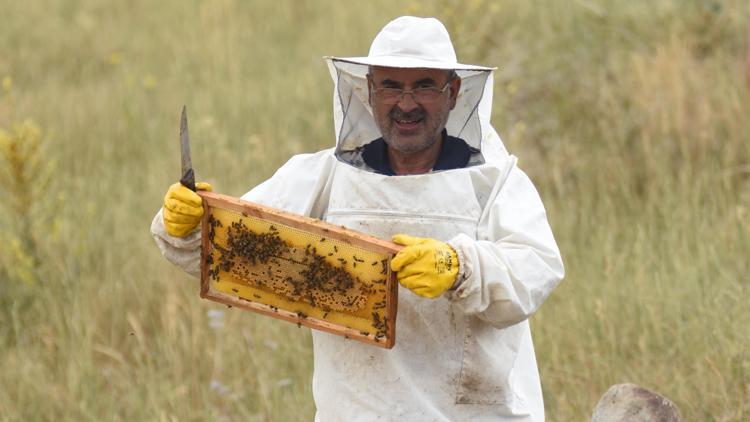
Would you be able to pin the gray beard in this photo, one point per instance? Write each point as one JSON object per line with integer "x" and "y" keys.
{"x": 410, "y": 148}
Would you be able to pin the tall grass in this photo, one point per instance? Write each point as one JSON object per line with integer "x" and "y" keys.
{"x": 630, "y": 117}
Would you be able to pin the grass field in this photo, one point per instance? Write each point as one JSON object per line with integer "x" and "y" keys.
{"x": 630, "y": 117}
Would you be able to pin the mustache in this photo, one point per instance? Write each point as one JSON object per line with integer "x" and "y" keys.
{"x": 398, "y": 114}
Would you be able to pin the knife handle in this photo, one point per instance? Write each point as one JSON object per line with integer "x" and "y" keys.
{"x": 188, "y": 180}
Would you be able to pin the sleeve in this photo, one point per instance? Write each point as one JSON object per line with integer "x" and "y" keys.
{"x": 300, "y": 186}
{"x": 184, "y": 252}
{"x": 514, "y": 264}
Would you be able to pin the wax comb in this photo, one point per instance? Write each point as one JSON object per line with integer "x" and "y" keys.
{"x": 298, "y": 269}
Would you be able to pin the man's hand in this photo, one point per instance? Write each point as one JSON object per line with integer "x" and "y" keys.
{"x": 427, "y": 267}
{"x": 183, "y": 209}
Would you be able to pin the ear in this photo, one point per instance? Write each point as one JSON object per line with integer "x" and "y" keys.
{"x": 455, "y": 87}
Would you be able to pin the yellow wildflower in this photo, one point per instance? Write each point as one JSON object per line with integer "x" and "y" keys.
{"x": 149, "y": 81}
{"x": 114, "y": 58}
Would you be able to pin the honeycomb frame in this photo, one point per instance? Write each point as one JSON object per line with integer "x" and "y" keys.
{"x": 247, "y": 285}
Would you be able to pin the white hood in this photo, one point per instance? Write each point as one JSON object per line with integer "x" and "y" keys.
{"x": 410, "y": 42}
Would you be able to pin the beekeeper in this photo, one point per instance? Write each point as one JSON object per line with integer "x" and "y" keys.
{"x": 417, "y": 160}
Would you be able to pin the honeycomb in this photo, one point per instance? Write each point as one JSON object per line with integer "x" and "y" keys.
{"x": 287, "y": 268}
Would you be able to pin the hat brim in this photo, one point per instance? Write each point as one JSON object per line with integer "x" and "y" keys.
{"x": 408, "y": 63}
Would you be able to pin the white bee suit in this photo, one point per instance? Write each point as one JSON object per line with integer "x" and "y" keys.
{"x": 467, "y": 355}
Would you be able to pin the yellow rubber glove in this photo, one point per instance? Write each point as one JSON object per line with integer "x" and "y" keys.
{"x": 183, "y": 209}
{"x": 427, "y": 267}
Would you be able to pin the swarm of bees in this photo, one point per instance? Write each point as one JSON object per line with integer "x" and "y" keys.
{"x": 263, "y": 260}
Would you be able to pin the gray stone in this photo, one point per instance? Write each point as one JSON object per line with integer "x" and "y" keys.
{"x": 632, "y": 403}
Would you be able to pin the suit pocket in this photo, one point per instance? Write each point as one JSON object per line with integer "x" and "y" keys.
{"x": 489, "y": 357}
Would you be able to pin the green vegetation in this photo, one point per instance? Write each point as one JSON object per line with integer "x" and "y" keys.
{"x": 631, "y": 118}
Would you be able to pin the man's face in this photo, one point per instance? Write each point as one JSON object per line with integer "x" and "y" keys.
{"x": 407, "y": 124}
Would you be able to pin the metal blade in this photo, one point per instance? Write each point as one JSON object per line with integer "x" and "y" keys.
{"x": 188, "y": 176}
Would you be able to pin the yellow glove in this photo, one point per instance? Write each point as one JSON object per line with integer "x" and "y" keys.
{"x": 183, "y": 209}
{"x": 427, "y": 267}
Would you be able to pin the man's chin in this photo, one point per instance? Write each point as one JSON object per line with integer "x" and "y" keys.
{"x": 408, "y": 145}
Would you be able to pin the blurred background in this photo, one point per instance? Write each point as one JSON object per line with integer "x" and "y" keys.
{"x": 631, "y": 117}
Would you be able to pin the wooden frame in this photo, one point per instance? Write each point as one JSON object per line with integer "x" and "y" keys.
{"x": 316, "y": 227}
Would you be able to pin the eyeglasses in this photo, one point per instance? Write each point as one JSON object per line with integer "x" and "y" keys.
{"x": 392, "y": 96}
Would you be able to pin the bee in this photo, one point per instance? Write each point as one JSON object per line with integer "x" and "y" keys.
{"x": 385, "y": 266}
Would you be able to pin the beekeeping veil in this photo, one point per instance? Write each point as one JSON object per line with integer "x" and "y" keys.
{"x": 410, "y": 42}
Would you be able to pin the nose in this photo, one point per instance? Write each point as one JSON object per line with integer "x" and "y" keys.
{"x": 407, "y": 103}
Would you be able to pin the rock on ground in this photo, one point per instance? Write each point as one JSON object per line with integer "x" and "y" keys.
{"x": 633, "y": 403}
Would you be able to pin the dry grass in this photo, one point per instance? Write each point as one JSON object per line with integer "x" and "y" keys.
{"x": 630, "y": 118}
